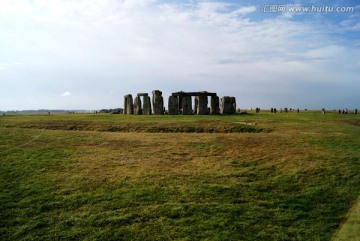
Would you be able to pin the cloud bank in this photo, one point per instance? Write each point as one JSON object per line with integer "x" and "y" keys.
{"x": 106, "y": 49}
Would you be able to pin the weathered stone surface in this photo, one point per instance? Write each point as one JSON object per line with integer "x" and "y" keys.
{"x": 146, "y": 105}
{"x": 173, "y": 105}
{"x": 225, "y": 105}
{"x": 137, "y": 106}
{"x": 128, "y": 104}
{"x": 198, "y": 93}
{"x": 142, "y": 94}
{"x": 196, "y": 105}
{"x": 157, "y": 102}
{"x": 233, "y": 105}
{"x": 214, "y": 106}
{"x": 186, "y": 105}
{"x": 202, "y": 105}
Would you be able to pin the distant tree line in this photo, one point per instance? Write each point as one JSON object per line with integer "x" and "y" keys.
{"x": 112, "y": 111}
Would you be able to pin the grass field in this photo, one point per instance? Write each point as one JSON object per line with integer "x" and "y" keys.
{"x": 293, "y": 176}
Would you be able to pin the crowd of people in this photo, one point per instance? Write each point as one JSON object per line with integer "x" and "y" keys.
{"x": 274, "y": 110}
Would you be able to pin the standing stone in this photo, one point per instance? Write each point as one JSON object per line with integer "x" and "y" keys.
{"x": 214, "y": 105}
{"x": 128, "y": 104}
{"x": 186, "y": 105}
{"x": 196, "y": 105}
{"x": 137, "y": 106}
{"x": 233, "y": 105}
{"x": 173, "y": 105}
{"x": 147, "y": 105}
{"x": 202, "y": 105}
{"x": 157, "y": 102}
{"x": 225, "y": 105}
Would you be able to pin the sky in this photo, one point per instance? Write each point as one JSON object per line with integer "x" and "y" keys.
{"x": 88, "y": 54}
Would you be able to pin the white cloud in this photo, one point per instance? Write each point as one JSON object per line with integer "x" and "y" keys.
{"x": 244, "y": 10}
{"x": 66, "y": 93}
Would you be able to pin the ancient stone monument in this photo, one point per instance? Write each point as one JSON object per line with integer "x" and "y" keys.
{"x": 173, "y": 105}
{"x": 202, "y": 105}
{"x": 146, "y": 105}
{"x": 137, "y": 106}
{"x": 128, "y": 104}
{"x": 157, "y": 102}
{"x": 233, "y": 105}
{"x": 227, "y": 105}
{"x": 214, "y": 107}
{"x": 201, "y": 102}
{"x": 180, "y": 102}
{"x": 145, "y": 108}
{"x": 186, "y": 105}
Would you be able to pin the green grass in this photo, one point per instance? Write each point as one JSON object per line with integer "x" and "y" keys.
{"x": 350, "y": 231}
{"x": 119, "y": 177}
